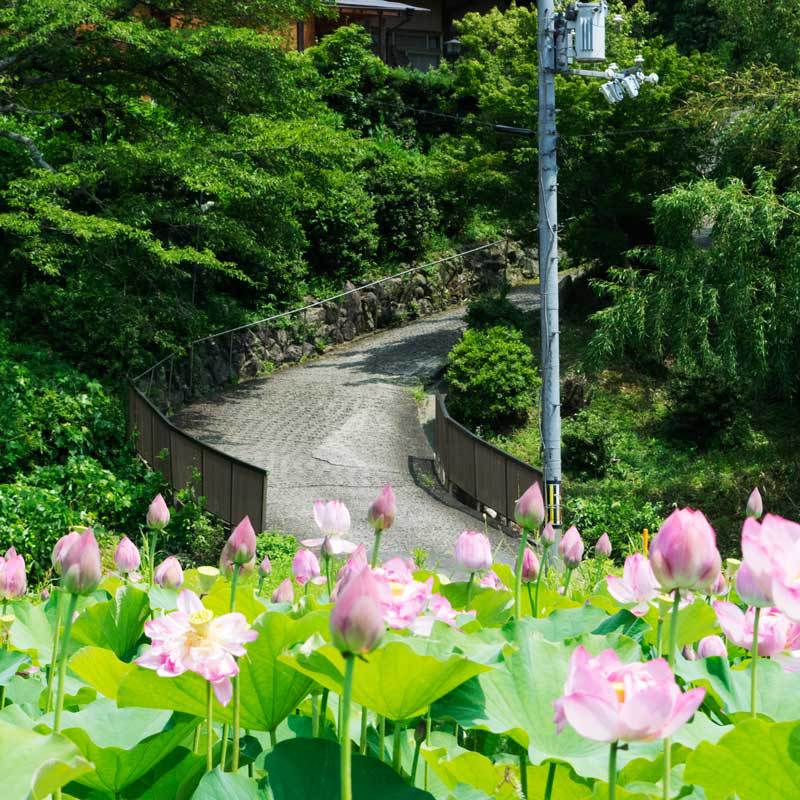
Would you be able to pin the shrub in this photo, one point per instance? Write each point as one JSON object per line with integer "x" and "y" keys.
{"x": 494, "y": 308}
{"x": 491, "y": 377}
{"x": 587, "y": 445}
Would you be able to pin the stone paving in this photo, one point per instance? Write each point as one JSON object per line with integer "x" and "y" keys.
{"x": 341, "y": 426}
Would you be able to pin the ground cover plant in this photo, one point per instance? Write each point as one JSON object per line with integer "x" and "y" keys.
{"x": 555, "y": 678}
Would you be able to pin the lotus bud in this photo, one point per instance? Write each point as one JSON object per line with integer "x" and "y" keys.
{"x": 684, "y": 553}
{"x": 603, "y": 546}
{"x": 530, "y": 566}
{"x": 264, "y": 568}
{"x": 80, "y": 564}
{"x": 383, "y": 510}
{"x": 242, "y": 543}
{"x": 158, "y": 514}
{"x": 571, "y": 548}
{"x": 13, "y": 583}
{"x": 420, "y": 731}
{"x": 754, "y": 589}
{"x": 61, "y": 547}
{"x": 169, "y": 574}
{"x": 689, "y": 653}
{"x": 529, "y": 509}
{"x": 755, "y": 505}
{"x": 473, "y": 551}
{"x": 284, "y": 593}
{"x": 126, "y": 556}
{"x": 720, "y": 586}
{"x": 44, "y": 595}
{"x": 305, "y": 567}
{"x": 328, "y": 550}
{"x": 356, "y": 621}
{"x": 206, "y": 578}
{"x": 549, "y": 533}
{"x": 711, "y": 646}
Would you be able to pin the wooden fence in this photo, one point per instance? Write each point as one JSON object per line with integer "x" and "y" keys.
{"x": 232, "y": 488}
{"x": 490, "y": 476}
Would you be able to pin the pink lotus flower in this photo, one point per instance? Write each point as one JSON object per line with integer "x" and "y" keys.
{"x": 774, "y": 628}
{"x": 608, "y": 701}
{"x": 529, "y": 509}
{"x": 712, "y": 646}
{"x": 13, "y": 583}
{"x": 684, "y": 553}
{"x": 265, "y": 567}
{"x": 720, "y": 586}
{"x": 473, "y": 551}
{"x": 491, "y": 581}
{"x": 771, "y": 550}
{"x": 284, "y": 593}
{"x": 530, "y": 566}
{"x": 226, "y": 562}
{"x": 169, "y": 574}
{"x": 305, "y": 568}
{"x": 242, "y": 543}
{"x": 755, "y": 506}
{"x": 356, "y": 621}
{"x": 399, "y": 569}
{"x": 383, "y": 509}
{"x": 754, "y": 589}
{"x": 126, "y": 556}
{"x": 158, "y": 514}
{"x": 688, "y": 653}
{"x": 80, "y": 564}
{"x": 438, "y": 610}
{"x": 549, "y": 533}
{"x": 333, "y": 520}
{"x": 357, "y": 560}
{"x": 603, "y": 546}
{"x": 61, "y": 547}
{"x": 637, "y": 585}
{"x": 571, "y": 548}
{"x": 192, "y": 639}
{"x": 403, "y": 602}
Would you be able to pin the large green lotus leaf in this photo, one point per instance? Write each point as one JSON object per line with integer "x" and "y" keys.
{"x": 695, "y": 622}
{"x": 10, "y": 663}
{"x": 100, "y": 669}
{"x": 270, "y": 689}
{"x": 174, "y": 777}
{"x": 117, "y": 624}
{"x": 486, "y": 646}
{"x": 219, "y": 599}
{"x": 517, "y": 697}
{"x": 566, "y": 786}
{"x": 398, "y": 680}
{"x": 33, "y": 765}
{"x": 31, "y": 631}
{"x": 473, "y": 769}
{"x": 123, "y": 743}
{"x": 567, "y": 623}
{"x": 493, "y": 607}
{"x": 777, "y": 695}
{"x": 162, "y": 599}
{"x": 309, "y": 768}
{"x": 218, "y": 785}
{"x": 755, "y": 761}
{"x": 625, "y": 623}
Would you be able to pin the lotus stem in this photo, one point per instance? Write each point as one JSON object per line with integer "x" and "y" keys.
{"x": 344, "y": 733}
{"x": 48, "y": 704}
{"x": 551, "y": 778}
{"x": 382, "y": 738}
{"x": 328, "y": 579}
{"x": 376, "y": 546}
{"x": 754, "y": 659}
{"x": 363, "y": 742}
{"x": 427, "y": 741}
{"x": 469, "y": 588}
{"x": 539, "y": 582}
{"x": 237, "y": 689}
{"x": 612, "y": 770}
{"x": 210, "y": 728}
{"x": 62, "y": 672}
{"x": 323, "y": 709}
{"x": 314, "y": 717}
{"x": 396, "y": 742}
{"x": 523, "y": 541}
{"x": 415, "y": 762}
{"x": 523, "y": 774}
{"x": 673, "y": 637}
{"x": 570, "y": 570}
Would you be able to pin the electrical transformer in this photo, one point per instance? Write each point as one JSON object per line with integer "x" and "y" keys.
{"x": 588, "y": 32}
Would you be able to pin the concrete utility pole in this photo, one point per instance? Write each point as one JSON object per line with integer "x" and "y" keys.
{"x": 548, "y": 263}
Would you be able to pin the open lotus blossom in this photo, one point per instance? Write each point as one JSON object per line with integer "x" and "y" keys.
{"x": 771, "y": 550}
{"x": 710, "y": 646}
{"x": 403, "y": 602}
{"x": 491, "y": 581}
{"x": 13, "y": 583}
{"x": 438, "y": 610}
{"x": 357, "y": 560}
{"x": 192, "y": 639}
{"x": 473, "y": 551}
{"x": 684, "y": 553}
{"x": 126, "y": 556}
{"x": 754, "y": 589}
{"x": 169, "y": 573}
{"x": 637, "y": 586}
{"x": 608, "y": 701}
{"x": 529, "y": 509}
{"x": 775, "y": 630}
{"x": 571, "y": 548}
{"x": 720, "y": 586}
{"x": 158, "y": 514}
{"x": 383, "y": 509}
{"x": 398, "y": 569}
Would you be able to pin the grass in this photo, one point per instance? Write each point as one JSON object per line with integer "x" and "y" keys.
{"x": 640, "y": 469}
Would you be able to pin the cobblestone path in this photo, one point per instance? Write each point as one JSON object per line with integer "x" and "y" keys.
{"x": 341, "y": 426}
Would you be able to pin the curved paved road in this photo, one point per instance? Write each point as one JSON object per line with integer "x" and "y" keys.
{"x": 343, "y": 425}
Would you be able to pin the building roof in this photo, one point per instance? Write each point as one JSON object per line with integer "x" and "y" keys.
{"x": 379, "y": 5}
